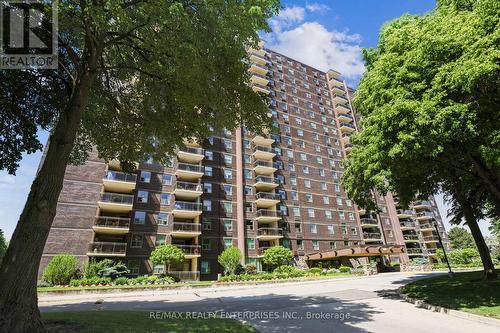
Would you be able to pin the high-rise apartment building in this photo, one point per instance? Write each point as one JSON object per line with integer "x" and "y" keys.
{"x": 244, "y": 190}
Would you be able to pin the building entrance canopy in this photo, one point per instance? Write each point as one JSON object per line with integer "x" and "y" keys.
{"x": 358, "y": 251}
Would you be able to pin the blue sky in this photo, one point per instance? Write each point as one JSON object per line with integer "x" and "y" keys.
{"x": 324, "y": 34}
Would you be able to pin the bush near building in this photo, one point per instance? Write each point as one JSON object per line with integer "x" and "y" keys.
{"x": 277, "y": 256}
{"x": 60, "y": 270}
{"x": 230, "y": 259}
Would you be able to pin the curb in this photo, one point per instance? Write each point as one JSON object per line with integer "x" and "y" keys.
{"x": 455, "y": 313}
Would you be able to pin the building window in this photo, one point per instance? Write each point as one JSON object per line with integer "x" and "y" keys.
{"x": 305, "y": 169}
{"x": 324, "y": 186}
{"x": 139, "y": 217}
{"x": 247, "y": 174}
{"x": 228, "y": 159}
{"x": 228, "y": 225}
{"x": 339, "y": 201}
{"x": 228, "y": 242}
{"x": 328, "y": 214}
{"x": 341, "y": 215}
{"x": 228, "y": 189}
{"x": 310, "y": 212}
{"x": 330, "y": 229}
{"x": 351, "y": 216}
{"x": 309, "y": 197}
{"x": 136, "y": 241}
{"x": 227, "y": 206}
{"x": 206, "y": 244}
{"x": 228, "y": 174}
{"x": 300, "y": 244}
{"x": 354, "y": 231}
{"x": 209, "y": 155}
{"x": 167, "y": 179}
{"x": 165, "y": 198}
{"x": 300, "y": 132}
{"x": 206, "y": 224}
{"x": 298, "y": 227}
{"x": 205, "y": 267}
{"x": 163, "y": 218}
{"x": 296, "y": 211}
{"x": 133, "y": 266}
{"x": 208, "y": 171}
{"x": 333, "y": 245}
{"x": 207, "y": 187}
{"x": 251, "y": 243}
{"x": 326, "y": 200}
{"x": 142, "y": 196}
{"x": 249, "y": 224}
{"x": 307, "y": 183}
{"x": 315, "y": 245}
{"x": 160, "y": 240}
{"x": 313, "y": 228}
{"x": 145, "y": 176}
{"x": 228, "y": 145}
{"x": 294, "y": 195}
{"x": 207, "y": 205}
{"x": 343, "y": 227}
{"x": 248, "y": 190}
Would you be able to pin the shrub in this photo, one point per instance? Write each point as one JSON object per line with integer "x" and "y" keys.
{"x": 121, "y": 281}
{"x": 230, "y": 259}
{"x": 92, "y": 267}
{"x": 114, "y": 272}
{"x": 314, "y": 271}
{"x": 277, "y": 256}
{"x": 141, "y": 279}
{"x": 290, "y": 271}
{"x": 345, "y": 269}
{"x": 167, "y": 255}
{"x": 60, "y": 270}
{"x": 250, "y": 269}
{"x": 239, "y": 270}
{"x": 153, "y": 278}
{"x": 89, "y": 282}
{"x": 463, "y": 256}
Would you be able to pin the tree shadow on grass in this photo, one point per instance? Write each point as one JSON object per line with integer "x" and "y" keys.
{"x": 269, "y": 313}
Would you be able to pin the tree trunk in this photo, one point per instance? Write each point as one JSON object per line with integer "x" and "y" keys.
{"x": 18, "y": 272}
{"x": 471, "y": 220}
{"x": 490, "y": 180}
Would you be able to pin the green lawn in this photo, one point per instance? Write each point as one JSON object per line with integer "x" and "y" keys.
{"x": 137, "y": 286}
{"x": 135, "y": 321}
{"x": 467, "y": 291}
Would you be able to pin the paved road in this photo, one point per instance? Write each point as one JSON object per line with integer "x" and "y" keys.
{"x": 364, "y": 304}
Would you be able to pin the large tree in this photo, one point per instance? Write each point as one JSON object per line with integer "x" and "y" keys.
{"x": 135, "y": 79}
{"x": 3, "y": 245}
{"x": 429, "y": 103}
{"x": 460, "y": 238}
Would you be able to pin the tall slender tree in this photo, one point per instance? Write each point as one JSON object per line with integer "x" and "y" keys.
{"x": 135, "y": 79}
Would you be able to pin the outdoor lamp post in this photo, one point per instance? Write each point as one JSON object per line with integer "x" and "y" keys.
{"x": 434, "y": 222}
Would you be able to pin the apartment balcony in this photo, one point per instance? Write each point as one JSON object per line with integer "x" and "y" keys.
{"x": 424, "y": 215}
{"x": 432, "y": 251}
{"x": 262, "y": 141}
{"x": 345, "y": 127}
{"x": 186, "y": 209}
{"x": 256, "y": 58}
{"x": 339, "y": 99}
{"x": 263, "y": 153}
{"x": 338, "y": 90}
{"x": 116, "y": 202}
{"x": 258, "y": 69}
{"x": 107, "y": 249}
{"x": 407, "y": 225}
{"x": 422, "y": 204}
{"x": 345, "y": 118}
{"x": 414, "y": 251}
{"x": 269, "y": 233}
{"x": 372, "y": 236}
{"x": 368, "y": 222}
{"x": 261, "y": 89}
{"x": 411, "y": 238}
{"x": 426, "y": 227}
{"x": 185, "y": 229}
{"x": 431, "y": 239}
{"x": 266, "y": 199}
{"x": 264, "y": 167}
{"x": 259, "y": 79}
{"x": 267, "y": 215}
{"x": 336, "y": 82}
{"x": 115, "y": 181}
{"x": 190, "y": 251}
{"x": 260, "y": 52}
{"x": 111, "y": 225}
{"x": 342, "y": 109}
{"x": 348, "y": 147}
{"x": 404, "y": 213}
{"x": 346, "y": 138}
{"x": 187, "y": 190}
{"x": 189, "y": 171}
{"x": 261, "y": 250}
{"x": 263, "y": 183}
{"x": 185, "y": 275}
{"x": 361, "y": 211}
{"x": 190, "y": 154}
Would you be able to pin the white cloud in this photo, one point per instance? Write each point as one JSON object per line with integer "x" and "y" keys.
{"x": 313, "y": 44}
{"x": 317, "y": 7}
{"x": 287, "y": 17}
{"x": 7, "y": 179}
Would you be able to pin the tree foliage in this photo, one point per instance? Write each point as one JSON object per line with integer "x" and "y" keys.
{"x": 460, "y": 238}
{"x": 167, "y": 255}
{"x": 277, "y": 256}
{"x": 60, "y": 270}
{"x": 429, "y": 103}
{"x": 230, "y": 259}
{"x": 3, "y": 245}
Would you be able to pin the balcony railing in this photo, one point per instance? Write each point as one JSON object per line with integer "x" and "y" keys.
{"x": 422, "y": 203}
{"x": 425, "y": 214}
{"x": 189, "y": 249}
{"x": 260, "y": 66}
{"x": 120, "y": 176}
{"x": 367, "y": 220}
{"x": 186, "y": 205}
{"x": 426, "y": 226}
{"x": 261, "y": 163}
{"x": 345, "y": 115}
{"x": 260, "y": 86}
{"x": 265, "y": 179}
{"x": 348, "y": 125}
{"x": 346, "y": 135}
{"x": 260, "y": 76}
{"x": 404, "y": 212}
{"x": 431, "y": 238}
{"x": 117, "y": 198}
{"x": 190, "y": 167}
{"x": 407, "y": 224}
{"x": 268, "y": 213}
{"x": 410, "y": 237}
{"x": 185, "y": 275}
{"x": 264, "y": 149}
{"x": 432, "y": 251}
{"x": 187, "y": 186}
{"x": 269, "y": 232}
{"x": 112, "y": 222}
{"x": 192, "y": 150}
{"x": 372, "y": 235}
{"x": 186, "y": 227}
{"x": 268, "y": 196}
{"x": 107, "y": 248}
{"x": 414, "y": 250}
{"x": 348, "y": 146}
